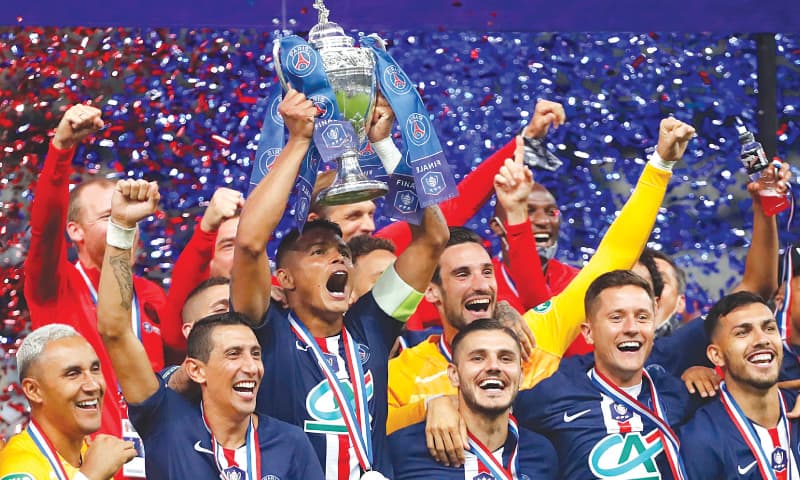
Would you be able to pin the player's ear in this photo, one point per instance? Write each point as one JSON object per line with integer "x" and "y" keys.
{"x": 32, "y": 391}
{"x": 586, "y": 331}
{"x": 714, "y": 354}
{"x": 195, "y": 369}
{"x": 285, "y": 279}
{"x": 433, "y": 294}
{"x": 452, "y": 374}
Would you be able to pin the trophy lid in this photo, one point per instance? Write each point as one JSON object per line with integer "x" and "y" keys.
{"x": 326, "y": 33}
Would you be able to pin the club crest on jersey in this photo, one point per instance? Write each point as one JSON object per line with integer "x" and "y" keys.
{"x": 620, "y": 412}
{"x": 418, "y": 129}
{"x": 301, "y": 60}
{"x": 627, "y": 456}
{"x": 405, "y": 201}
{"x": 266, "y": 159}
{"x": 363, "y": 353}
{"x": 433, "y": 183}
{"x": 395, "y": 79}
{"x": 322, "y": 407}
{"x": 779, "y": 459}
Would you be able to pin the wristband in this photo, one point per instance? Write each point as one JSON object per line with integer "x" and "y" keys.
{"x": 388, "y": 152}
{"x": 658, "y": 162}
{"x": 120, "y": 237}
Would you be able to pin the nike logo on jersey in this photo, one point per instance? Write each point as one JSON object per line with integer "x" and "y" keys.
{"x": 200, "y": 449}
{"x": 430, "y": 378}
{"x": 571, "y": 418}
{"x": 743, "y": 471}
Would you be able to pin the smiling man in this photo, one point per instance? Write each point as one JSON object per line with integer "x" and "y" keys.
{"x": 222, "y": 437}
{"x": 486, "y": 370}
{"x": 62, "y": 380}
{"x": 744, "y": 432}
{"x": 611, "y": 419}
{"x": 464, "y": 289}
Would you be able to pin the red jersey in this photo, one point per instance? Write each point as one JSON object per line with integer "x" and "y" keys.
{"x": 57, "y": 291}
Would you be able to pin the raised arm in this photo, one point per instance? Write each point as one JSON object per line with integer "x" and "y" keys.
{"x": 192, "y": 266}
{"x": 250, "y": 277}
{"x": 48, "y": 249}
{"x": 761, "y": 267}
{"x": 556, "y": 326}
{"x": 513, "y": 185}
{"x": 133, "y": 200}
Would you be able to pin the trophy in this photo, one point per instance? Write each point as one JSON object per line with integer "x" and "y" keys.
{"x": 351, "y": 74}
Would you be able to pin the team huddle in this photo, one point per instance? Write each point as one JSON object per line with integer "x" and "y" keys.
{"x": 401, "y": 354}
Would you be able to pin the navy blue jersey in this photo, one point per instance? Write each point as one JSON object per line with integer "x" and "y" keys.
{"x": 594, "y": 436}
{"x": 178, "y": 445}
{"x": 537, "y": 457}
{"x": 790, "y": 368}
{"x": 713, "y": 447}
{"x": 295, "y": 390}
{"x": 685, "y": 348}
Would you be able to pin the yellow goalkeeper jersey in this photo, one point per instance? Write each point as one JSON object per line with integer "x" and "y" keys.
{"x": 420, "y": 372}
{"x": 21, "y": 459}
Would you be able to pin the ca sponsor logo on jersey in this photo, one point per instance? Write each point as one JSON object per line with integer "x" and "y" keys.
{"x": 543, "y": 307}
{"x": 630, "y": 456}
{"x": 18, "y": 476}
{"x": 321, "y": 406}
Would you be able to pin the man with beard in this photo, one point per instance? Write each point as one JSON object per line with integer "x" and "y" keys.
{"x": 612, "y": 419}
{"x": 222, "y": 437}
{"x": 325, "y": 361}
{"x": 62, "y": 380}
{"x": 464, "y": 289}
{"x": 486, "y": 370}
{"x": 745, "y": 432}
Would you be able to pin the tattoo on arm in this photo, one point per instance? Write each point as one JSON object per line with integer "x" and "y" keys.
{"x": 121, "y": 266}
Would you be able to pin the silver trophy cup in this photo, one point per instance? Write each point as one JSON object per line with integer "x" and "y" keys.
{"x": 351, "y": 73}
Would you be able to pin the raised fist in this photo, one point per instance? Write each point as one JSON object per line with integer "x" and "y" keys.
{"x": 133, "y": 200}
{"x": 77, "y": 123}
{"x": 673, "y": 137}
{"x": 382, "y": 119}
{"x": 298, "y": 114}
{"x": 223, "y": 205}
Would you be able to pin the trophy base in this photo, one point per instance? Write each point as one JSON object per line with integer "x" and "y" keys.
{"x": 352, "y": 192}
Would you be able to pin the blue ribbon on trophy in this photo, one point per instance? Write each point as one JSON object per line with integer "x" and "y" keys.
{"x": 424, "y": 166}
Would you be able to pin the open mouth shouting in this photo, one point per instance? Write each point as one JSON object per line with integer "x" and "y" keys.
{"x": 629, "y": 346}
{"x": 245, "y": 389}
{"x": 337, "y": 284}
{"x": 542, "y": 239}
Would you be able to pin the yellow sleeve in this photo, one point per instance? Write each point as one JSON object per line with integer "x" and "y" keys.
{"x": 403, "y": 416}
{"x": 556, "y": 323}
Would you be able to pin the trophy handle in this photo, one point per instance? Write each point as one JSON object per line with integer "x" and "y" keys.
{"x": 276, "y": 58}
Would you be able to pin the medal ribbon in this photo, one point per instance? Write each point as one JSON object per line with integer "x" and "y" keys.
{"x": 356, "y": 420}
{"x": 657, "y": 416}
{"x": 253, "y": 468}
{"x": 48, "y": 451}
{"x": 136, "y": 324}
{"x": 489, "y": 461}
{"x": 750, "y": 436}
{"x": 444, "y": 348}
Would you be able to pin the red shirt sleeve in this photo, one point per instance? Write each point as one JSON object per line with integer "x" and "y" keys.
{"x": 525, "y": 267}
{"x": 190, "y": 270}
{"x": 473, "y": 192}
{"x": 47, "y": 250}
